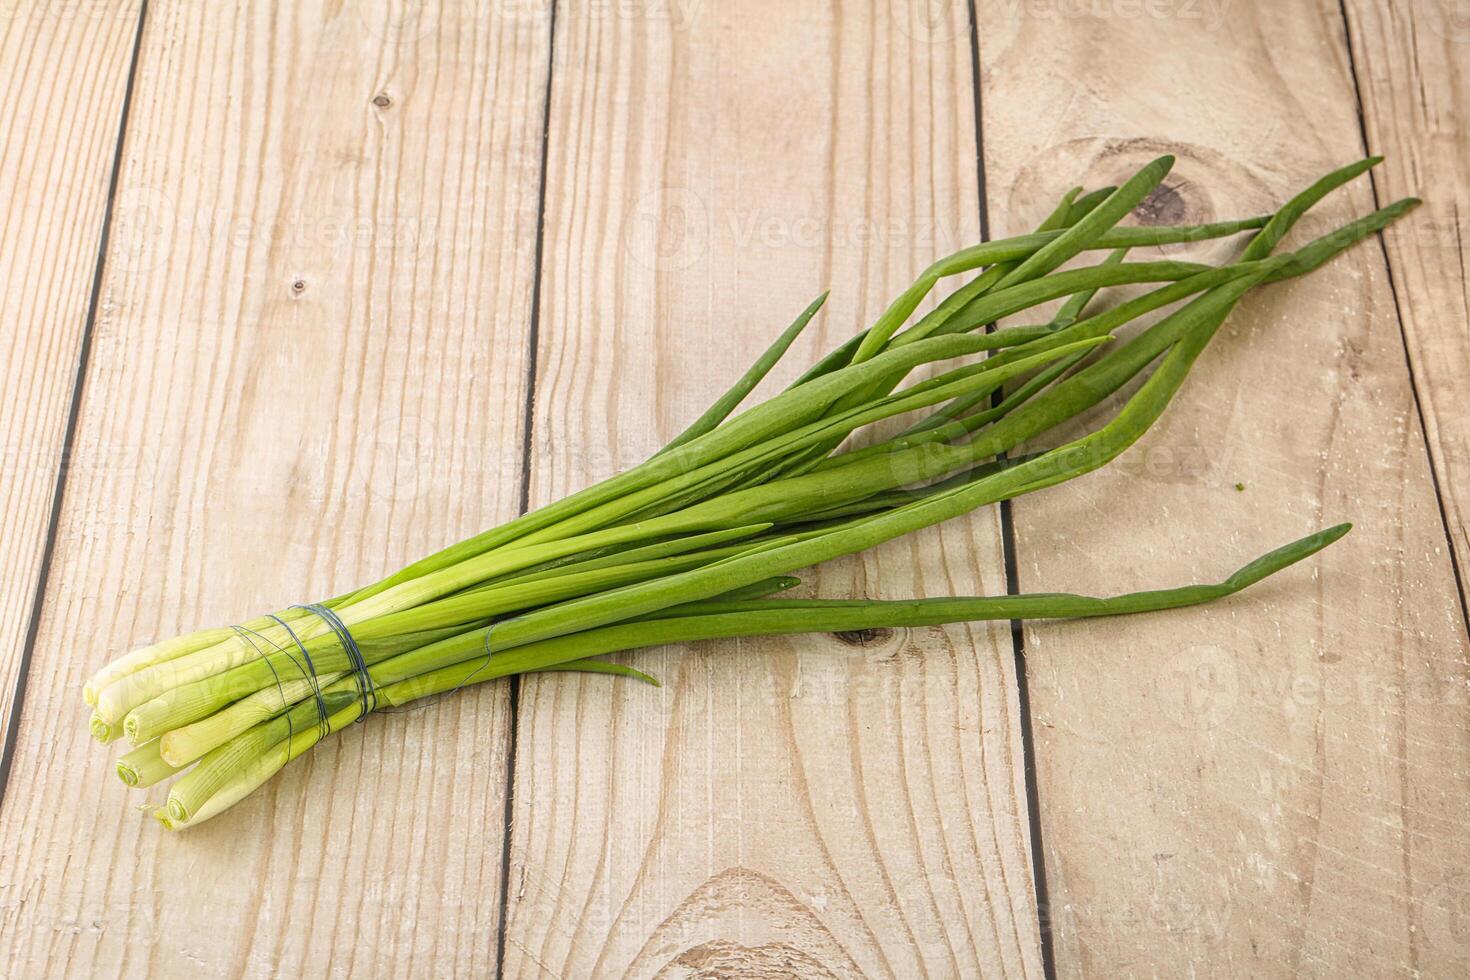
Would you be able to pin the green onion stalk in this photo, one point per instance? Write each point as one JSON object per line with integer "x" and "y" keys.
{"x": 699, "y": 541}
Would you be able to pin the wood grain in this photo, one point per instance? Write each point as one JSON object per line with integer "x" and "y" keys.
{"x": 310, "y": 364}
{"x": 798, "y": 807}
{"x": 309, "y": 368}
{"x": 65, "y": 74}
{"x": 1412, "y": 64}
{"x": 1276, "y": 785}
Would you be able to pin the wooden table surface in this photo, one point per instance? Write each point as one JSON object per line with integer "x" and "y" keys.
{"x": 296, "y": 292}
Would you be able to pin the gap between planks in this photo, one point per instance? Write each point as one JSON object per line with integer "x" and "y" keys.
{"x": 73, "y": 414}
{"x": 1012, "y": 573}
{"x": 533, "y": 337}
{"x": 1398, "y": 312}
{"x": 1009, "y": 545}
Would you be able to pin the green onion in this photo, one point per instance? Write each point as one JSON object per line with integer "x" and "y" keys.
{"x": 693, "y": 543}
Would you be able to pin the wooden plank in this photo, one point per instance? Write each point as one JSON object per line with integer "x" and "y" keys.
{"x": 65, "y": 77}
{"x": 308, "y": 369}
{"x": 794, "y": 807}
{"x": 1410, "y": 61}
{"x": 1276, "y": 785}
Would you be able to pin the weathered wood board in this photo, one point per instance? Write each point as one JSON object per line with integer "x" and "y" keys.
{"x": 787, "y": 806}
{"x": 65, "y": 76}
{"x": 1274, "y": 784}
{"x": 378, "y": 272}
{"x": 1412, "y": 63}
{"x": 308, "y": 368}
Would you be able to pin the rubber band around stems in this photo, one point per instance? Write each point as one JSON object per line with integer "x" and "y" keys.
{"x": 366, "y": 687}
{"x": 308, "y": 671}
{"x": 367, "y": 691}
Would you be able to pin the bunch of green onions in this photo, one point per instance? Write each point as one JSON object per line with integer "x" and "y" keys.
{"x": 695, "y": 542}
